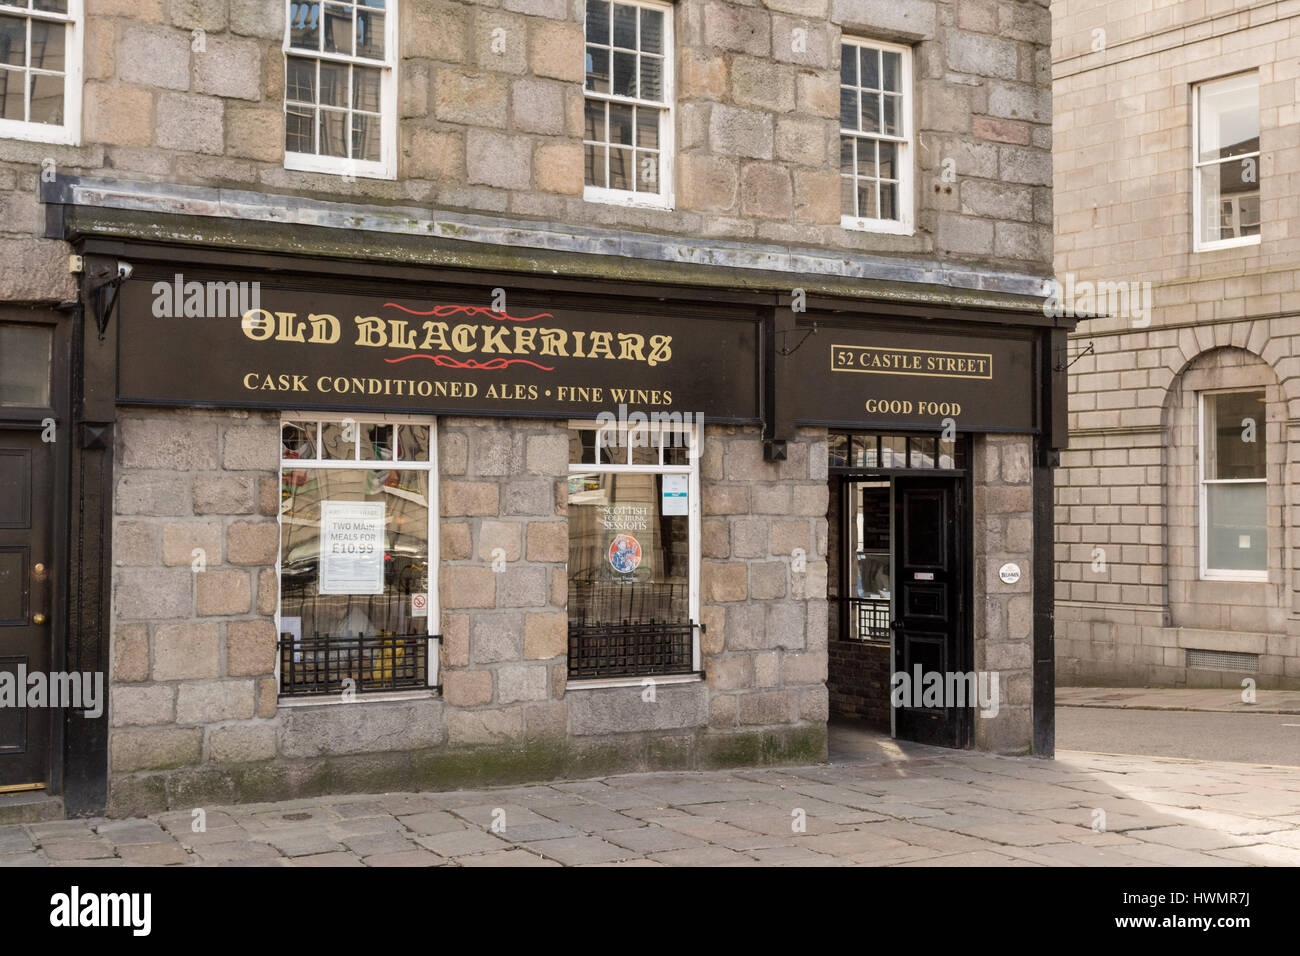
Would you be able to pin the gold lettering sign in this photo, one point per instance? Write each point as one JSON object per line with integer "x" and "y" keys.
{"x": 927, "y": 363}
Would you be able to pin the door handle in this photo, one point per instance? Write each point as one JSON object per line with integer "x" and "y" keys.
{"x": 38, "y": 618}
{"x": 896, "y": 625}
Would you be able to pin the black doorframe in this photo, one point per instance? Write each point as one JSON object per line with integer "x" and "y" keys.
{"x": 33, "y": 418}
{"x": 963, "y": 479}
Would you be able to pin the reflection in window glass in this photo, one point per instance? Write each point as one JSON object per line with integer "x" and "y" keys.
{"x": 1233, "y": 453}
{"x": 628, "y": 562}
{"x": 1227, "y": 158}
{"x": 25, "y": 356}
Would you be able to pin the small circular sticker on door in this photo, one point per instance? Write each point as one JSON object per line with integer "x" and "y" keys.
{"x": 1009, "y": 573}
{"x": 625, "y": 553}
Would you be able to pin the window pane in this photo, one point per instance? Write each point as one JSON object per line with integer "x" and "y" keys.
{"x": 298, "y": 130}
{"x": 47, "y": 45}
{"x": 597, "y": 21}
{"x": 301, "y": 82}
{"x": 628, "y": 562}
{"x": 597, "y": 70}
{"x": 334, "y": 84}
{"x": 298, "y": 440}
{"x": 1230, "y": 199}
{"x": 871, "y": 112}
{"x": 582, "y": 446}
{"x": 624, "y": 74}
{"x": 849, "y": 66}
{"x": 652, "y": 31}
{"x": 365, "y": 89}
{"x": 49, "y": 6}
{"x": 370, "y": 34}
{"x": 377, "y": 442}
{"x": 1235, "y": 435}
{"x": 25, "y": 356}
{"x": 593, "y": 162}
{"x": 891, "y": 106}
{"x": 893, "y": 70}
{"x": 889, "y": 201}
{"x": 864, "y": 452}
{"x": 594, "y": 121}
{"x": 338, "y": 29}
{"x": 304, "y": 25}
{"x": 893, "y": 451}
{"x": 647, "y": 172}
{"x": 333, "y": 133}
{"x": 888, "y": 160}
{"x": 846, "y": 155}
{"x": 867, "y": 199}
{"x": 652, "y": 78}
{"x": 922, "y": 452}
{"x": 338, "y": 440}
{"x": 11, "y": 95}
{"x": 867, "y": 156}
{"x": 1236, "y": 539}
{"x": 620, "y": 124}
{"x": 620, "y": 169}
{"x": 848, "y": 108}
{"x": 413, "y": 442}
{"x": 13, "y": 41}
{"x": 46, "y": 99}
{"x": 1228, "y": 117}
{"x": 870, "y": 73}
{"x": 625, "y": 26}
{"x": 647, "y": 127}
{"x": 366, "y": 591}
{"x": 837, "y": 449}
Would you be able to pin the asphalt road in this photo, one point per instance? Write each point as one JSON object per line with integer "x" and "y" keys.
{"x": 1196, "y": 735}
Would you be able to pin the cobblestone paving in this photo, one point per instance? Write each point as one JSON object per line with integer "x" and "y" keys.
{"x": 886, "y": 805}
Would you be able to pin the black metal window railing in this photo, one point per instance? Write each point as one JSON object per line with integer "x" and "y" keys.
{"x": 324, "y": 663}
{"x": 867, "y": 619}
{"x": 628, "y": 630}
{"x": 633, "y": 649}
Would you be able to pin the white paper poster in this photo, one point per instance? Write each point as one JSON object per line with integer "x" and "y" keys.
{"x": 352, "y": 547}
{"x": 674, "y": 494}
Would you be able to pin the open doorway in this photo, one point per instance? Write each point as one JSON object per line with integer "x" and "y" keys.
{"x": 899, "y": 563}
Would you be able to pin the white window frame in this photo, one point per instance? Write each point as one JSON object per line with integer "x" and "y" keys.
{"x": 664, "y": 199}
{"x": 1203, "y": 512}
{"x": 903, "y": 226}
{"x": 386, "y": 166}
{"x": 1197, "y": 166}
{"x": 69, "y": 133}
{"x": 434, "y": 619}
{"x": 694, "y": 435}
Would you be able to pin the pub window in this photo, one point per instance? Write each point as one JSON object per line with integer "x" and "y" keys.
{"x": 340, "y": 88}
{"x": 1226, "y": 164}
{"x": 358, "y": 596}
{"x": 1233, "y": 486}
{"x": 634, "y": 551}
{"x": 628, "y": 125}
{"x": 875, "y": 136}
{"x": 40, "y": 70}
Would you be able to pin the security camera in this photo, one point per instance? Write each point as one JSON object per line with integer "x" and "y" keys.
{"x": 124, "y": 269}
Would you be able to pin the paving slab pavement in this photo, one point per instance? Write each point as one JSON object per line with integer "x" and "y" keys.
{"x": 1221, "y": 700}
{"x": 881, "y": 803}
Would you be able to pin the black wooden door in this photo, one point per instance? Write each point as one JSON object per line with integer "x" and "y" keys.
{"x": 26, "y": 562}
{"x": 928, "y": 626}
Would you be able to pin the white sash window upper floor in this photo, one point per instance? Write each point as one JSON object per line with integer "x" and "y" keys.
{"x": 340, "y": 87}
{"x": 40, "y": 70}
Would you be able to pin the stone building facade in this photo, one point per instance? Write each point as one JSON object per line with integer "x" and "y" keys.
{"x": 1154, "y": 585}
{"x": 175, "y": 157}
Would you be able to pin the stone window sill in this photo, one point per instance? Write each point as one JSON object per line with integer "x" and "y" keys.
{"x": 598, "y": 684}
{"x": 359, "y": 699}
